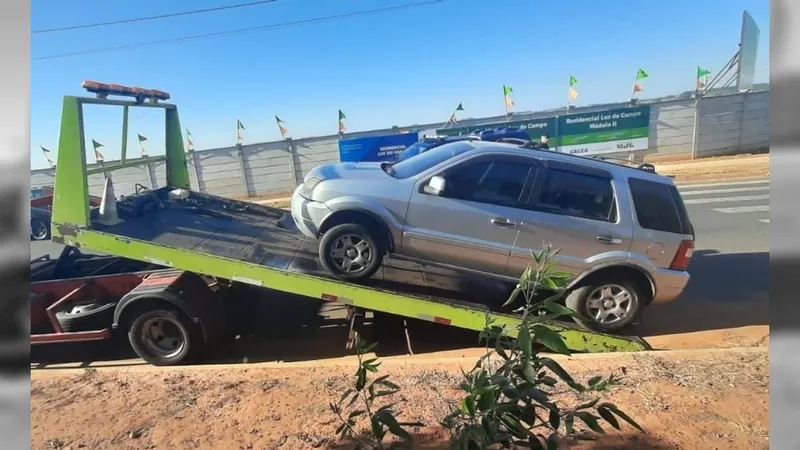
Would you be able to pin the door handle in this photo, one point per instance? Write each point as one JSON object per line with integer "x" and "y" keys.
{"x": 503, "y": 222}
{"x": 609, "y": 239}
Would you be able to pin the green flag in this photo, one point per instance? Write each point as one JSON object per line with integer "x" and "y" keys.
{"x": 573, "y": 81}
{"x": 141, "y": 138}
{"x": 239, "y": 125}
{"x": 460, "y": 107}
{"x": 97, "y": 155}
{"x": 341, "y": 115}
{"x": 702, "y": 72}
{"x": 507, "y": 90}
{"x": 239, "y": 129}
{"x": 641, "y": 74}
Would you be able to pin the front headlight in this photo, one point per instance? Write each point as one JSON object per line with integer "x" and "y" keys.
{"x": 307, "y": 188}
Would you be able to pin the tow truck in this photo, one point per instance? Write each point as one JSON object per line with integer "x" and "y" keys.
{"x": 200, "y": 236}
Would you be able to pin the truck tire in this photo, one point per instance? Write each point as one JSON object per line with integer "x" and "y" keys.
{"x": 606, "y": 305}
{"x": 350, "y": 252}
{"x": 91, "y": 317}
{"x": 165, "y": 337}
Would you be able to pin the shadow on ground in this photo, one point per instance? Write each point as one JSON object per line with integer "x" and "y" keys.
{"x": 726, "y": 291}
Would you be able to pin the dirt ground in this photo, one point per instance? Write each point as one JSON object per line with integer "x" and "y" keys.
{"x": 709, "y": 399}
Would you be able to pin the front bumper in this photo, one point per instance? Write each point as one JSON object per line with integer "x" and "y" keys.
{"x": 308, "y": 214}
{"x": 670, "y": 284}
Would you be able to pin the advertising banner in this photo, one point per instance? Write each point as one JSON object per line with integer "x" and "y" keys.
{"x": 375, "y": 148}
{"x": 609, "y": 131}
{"x": 534, "y": 127}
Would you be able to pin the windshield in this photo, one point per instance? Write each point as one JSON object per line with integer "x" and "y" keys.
{"x": 424, "y": 161}
{"x": 415, "y": 149}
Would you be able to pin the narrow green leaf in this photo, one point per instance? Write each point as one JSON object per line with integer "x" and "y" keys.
{"x": 468, "y": 405}
{"x": 550, "y": 339}
{"x": 391, "y": 422}
{"x": 557, "y": 370}
{"x": 569, "y": 423}
{"x": 524, "y": 341}
{"x": 527, "y": 371}
{"x": 372, "y": 367}
{"x": 344, "y": 396}
{"x": 369, "y": 348}
{"x": 588, "y": 404}
{"x": 554, "y": 442}
{"x": 377, "y": 428}
{"x": 514, "y": 294}
{"x": 548, "y": 381}
{"x": 608, "y": 416}
{"x": 559, "y": 309}
{"x": 355, "y": 414}
{"x": 486, "y": 400}
{"x": 341, "y": 429}
{"x": 554, "y": 419}
{"x": 591, "y": 421}
{"x": 361, "y": 379}
{"x": 613, "y": 408}
{"x": 352, "y": 399}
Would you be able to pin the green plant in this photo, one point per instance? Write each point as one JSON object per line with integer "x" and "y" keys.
{"x": 360, "y": 401}
{"x": 508, "y": 400}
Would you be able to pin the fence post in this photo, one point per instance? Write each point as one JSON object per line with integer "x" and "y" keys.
{"x": 696, "y": 125}
{"x": 242, "y": 170}
{"x": 292, "y": 166}
{"x": 741, "y": 123}
{"x": 151, "y": 182}
{"x": 195, "y": 166}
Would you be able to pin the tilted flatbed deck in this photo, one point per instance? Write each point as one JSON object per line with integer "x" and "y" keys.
{"x": 249, "y": 243}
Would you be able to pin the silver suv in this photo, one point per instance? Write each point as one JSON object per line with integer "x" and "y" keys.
{"x": 483, "y": 207}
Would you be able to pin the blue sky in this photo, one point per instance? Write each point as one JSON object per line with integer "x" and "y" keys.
{"x": 392, "y": 68}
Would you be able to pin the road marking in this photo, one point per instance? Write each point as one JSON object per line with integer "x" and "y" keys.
{"x": 741, "y": 198}
{"x": 743, "y": 209}
{"x": 764, "y": 220}
{"x": 732, "y": 183}
{"x": 725, "y": 191}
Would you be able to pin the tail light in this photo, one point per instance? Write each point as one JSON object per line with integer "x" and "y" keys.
{"x": 683, "y": 256}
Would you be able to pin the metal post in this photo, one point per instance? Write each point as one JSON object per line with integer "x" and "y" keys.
{"x": 124, "y": 147}
{"x": 696, "y": 125}
{"x": 741, "y": 122}
{"x": 150, "y": 180}
{"x": 243, "y": 170}
{"x": 196, "y": 169}
{"x": 292, "y": 164}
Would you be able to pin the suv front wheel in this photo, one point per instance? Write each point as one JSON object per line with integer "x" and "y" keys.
{"x": 607, "y": 305}
{"x": 350, "y": 252}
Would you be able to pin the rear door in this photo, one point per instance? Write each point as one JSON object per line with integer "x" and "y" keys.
{"x": 470, "y": 225}
{"x": 574, "y": 208}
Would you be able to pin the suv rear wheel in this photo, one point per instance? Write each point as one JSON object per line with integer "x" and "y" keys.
{"x": 606, "y": 305}
{"x": 350, "y": 252}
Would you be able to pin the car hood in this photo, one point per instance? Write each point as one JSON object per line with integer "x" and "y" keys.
{"x": 348, "y": 170}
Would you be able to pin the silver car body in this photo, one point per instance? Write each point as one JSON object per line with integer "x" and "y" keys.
{"x": 485, "y": 238}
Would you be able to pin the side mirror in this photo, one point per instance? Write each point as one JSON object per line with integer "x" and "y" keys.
{"x": 435, "y": 186}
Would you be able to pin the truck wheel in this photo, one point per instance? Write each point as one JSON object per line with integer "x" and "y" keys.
{"x": 350, "y": 252}
{"x": 165, "y": 337}
{"x": 606, "y": 306}
{"x": 92, "y": 317}
{"x": 40, "y": 231}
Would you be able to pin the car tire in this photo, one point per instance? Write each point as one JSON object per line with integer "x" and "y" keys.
{"x": 615, "y": 297}
{"x": 351, "y": 243}
{"x": 91, "y": 317}
{"x": 165, "y": 337}
{"x": 40, "y": 231}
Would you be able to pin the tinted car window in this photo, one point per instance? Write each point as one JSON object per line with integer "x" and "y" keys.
{"x": 494, "y": 182}
{"x": 659, "y": 207}
{"x": 576, "y": 194}
{"x": 415, "y": 149}
{"x": 426, "y": 160}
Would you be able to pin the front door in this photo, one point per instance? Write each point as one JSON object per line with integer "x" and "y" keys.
{"x": 469, "y": 225}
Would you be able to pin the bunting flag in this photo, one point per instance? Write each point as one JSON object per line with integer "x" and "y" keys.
{"x": 97, "y": 155}
{"x": 572, "y": 94}
{"x": 189, "y": 141}
{"x": 702, "y": 78}
{"x": 282, "y": 128}
{"x": 142, "y": 140}
{"x": 342, "y": 118}
{"x": 452, "y": 119}
{"x": 239, "y": 132}
{"x": 637, "y": 87}
{"x": 47, "y": 156}
{"x": 509, "y": 102}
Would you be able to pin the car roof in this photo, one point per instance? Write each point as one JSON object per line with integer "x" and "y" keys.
{"x": 541, "y": 154}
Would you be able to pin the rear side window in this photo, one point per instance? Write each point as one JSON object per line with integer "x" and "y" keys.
{"x": 493, "y": 182}
{"x": 659, "y": 207}
{"x": 576, "y": 194}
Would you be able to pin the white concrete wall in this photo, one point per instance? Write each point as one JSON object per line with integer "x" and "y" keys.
{"x": 728, "y": 124}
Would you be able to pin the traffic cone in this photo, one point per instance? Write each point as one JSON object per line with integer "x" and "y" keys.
{"x": 108, "y": 214}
